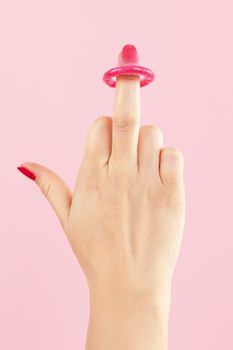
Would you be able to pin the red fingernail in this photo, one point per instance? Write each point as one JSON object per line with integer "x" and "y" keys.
{"x": 27, "y": 172}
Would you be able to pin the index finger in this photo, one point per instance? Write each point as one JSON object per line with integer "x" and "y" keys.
{"x": 126, "y": 111}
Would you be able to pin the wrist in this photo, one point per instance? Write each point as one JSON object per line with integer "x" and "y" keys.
{"x": 124, "y": 294}
{"x": 127, "y": 321}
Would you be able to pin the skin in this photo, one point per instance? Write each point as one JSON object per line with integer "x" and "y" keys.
{"x": 124, "y": 222}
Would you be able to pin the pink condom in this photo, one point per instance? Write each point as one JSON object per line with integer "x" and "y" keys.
{"x": 128, "y": 65}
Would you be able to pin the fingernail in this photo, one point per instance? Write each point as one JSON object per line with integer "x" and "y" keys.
{"x": 27, "y": 172}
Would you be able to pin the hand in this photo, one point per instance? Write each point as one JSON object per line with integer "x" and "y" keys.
{"x": 124, "y": 219}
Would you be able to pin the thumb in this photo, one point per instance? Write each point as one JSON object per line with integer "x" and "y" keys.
{"x": 52, "y": 186}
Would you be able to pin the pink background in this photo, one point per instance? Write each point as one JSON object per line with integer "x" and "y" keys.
{"x": 52, "y": 58}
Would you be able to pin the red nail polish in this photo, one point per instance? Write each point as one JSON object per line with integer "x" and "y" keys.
{"x": 27, "y": 172}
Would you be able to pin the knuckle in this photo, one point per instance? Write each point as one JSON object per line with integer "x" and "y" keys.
{"x": 152, "y": 129}
{"x": 174, "y": 154}
{"x": 124, "y": 124}
{"x": 99, "y": 125}
{"x": 99, "y": 122}
{"x": 102, "y": 120}
{"x": 46, "y": 188}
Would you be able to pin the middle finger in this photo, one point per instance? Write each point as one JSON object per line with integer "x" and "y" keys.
{"x": 126, "y": 118}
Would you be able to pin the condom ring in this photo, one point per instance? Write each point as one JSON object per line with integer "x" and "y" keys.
{"x": 128, "y": 65}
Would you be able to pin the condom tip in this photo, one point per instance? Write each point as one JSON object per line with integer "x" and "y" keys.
{"x": 128, "y": 55}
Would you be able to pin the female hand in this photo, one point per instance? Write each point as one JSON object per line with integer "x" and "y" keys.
{"x": 124, "y": 219}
